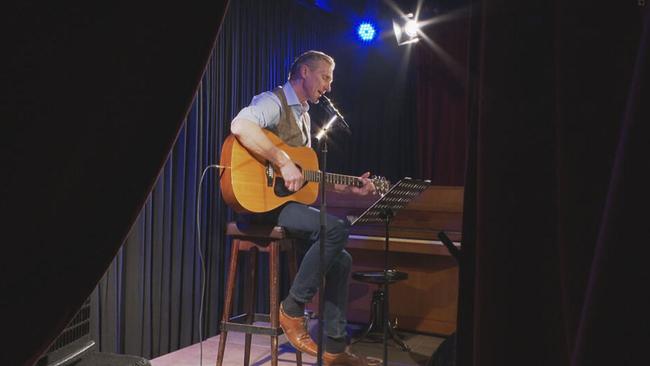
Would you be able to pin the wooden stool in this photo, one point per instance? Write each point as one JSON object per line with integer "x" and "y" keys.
{"x": 255, "y": 238}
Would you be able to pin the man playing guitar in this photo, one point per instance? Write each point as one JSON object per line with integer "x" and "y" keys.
{"x": 283, "y": 111}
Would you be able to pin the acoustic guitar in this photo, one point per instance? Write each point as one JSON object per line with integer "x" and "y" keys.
{"x": 252, "y": 184}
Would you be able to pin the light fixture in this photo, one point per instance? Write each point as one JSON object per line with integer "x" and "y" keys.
{"x": 366, "y": 31}
{"x": 407, "y": 33}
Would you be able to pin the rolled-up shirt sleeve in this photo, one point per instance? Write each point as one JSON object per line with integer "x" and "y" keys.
{"x": 263, "y": 110}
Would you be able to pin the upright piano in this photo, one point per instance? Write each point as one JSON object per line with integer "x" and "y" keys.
{"x": 427, "y": 300}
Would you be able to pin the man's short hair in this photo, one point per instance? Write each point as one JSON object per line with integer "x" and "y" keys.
{"x": 308, "y": 58}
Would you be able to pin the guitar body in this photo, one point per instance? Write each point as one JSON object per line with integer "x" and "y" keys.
{"x": 253, "y": 185}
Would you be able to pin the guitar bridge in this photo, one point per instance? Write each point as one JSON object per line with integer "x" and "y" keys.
{"x": 269, "y": 174}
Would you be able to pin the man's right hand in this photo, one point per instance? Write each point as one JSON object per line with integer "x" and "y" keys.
{"x": 293, "y": 178}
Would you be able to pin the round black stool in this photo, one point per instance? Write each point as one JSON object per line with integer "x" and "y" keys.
{"x": 375, "y": 328}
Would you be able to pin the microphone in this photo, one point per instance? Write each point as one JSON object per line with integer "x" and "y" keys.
{"x": 329, "y": 107}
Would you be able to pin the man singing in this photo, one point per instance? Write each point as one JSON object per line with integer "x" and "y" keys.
{"x": 283, "y": 111}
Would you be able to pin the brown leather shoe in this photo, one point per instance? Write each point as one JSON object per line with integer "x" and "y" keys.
{"x": 296, "y": 331}
{"x": 343, "y": 359}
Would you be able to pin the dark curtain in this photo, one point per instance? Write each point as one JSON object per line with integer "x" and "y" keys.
{"x": 440, "y": 61}
{"x": 148, "y": 301}
{"x": 92, "y": 96}
{"x": 554, "y": 269}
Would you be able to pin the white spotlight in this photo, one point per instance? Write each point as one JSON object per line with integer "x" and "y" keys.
{"x": 411, "y": 28}
{"x": 408, "y": 33}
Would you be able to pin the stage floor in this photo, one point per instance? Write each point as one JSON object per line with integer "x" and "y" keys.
{"x": 422, "y": 347}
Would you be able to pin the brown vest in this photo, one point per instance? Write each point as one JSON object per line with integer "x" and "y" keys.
{"x": 287, "y": 129}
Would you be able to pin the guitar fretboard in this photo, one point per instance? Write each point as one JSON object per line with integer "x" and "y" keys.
{"x": 349, "y": 180}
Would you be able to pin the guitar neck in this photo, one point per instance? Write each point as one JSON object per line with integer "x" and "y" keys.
{"x": 348, "y": 180}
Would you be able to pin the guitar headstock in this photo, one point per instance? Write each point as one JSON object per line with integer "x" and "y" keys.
{"x": 382, "y": 185}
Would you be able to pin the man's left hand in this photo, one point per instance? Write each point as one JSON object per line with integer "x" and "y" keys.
{"x": 367, "y": 187}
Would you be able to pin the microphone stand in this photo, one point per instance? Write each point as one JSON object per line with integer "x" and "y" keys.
{"x": 322, "y": 137}
{"x": 323, "y": 230}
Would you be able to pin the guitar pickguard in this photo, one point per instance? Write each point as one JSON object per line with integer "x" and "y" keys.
{"x": 280, "y": 189}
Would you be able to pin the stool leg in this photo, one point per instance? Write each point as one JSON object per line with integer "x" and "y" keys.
{"x": 293, "y": 269}
{"x": 377, "y": 296}
{"x": 232, "y": 273}
{"x": 251, "y": 300}
{"x": 274, "y": 295}
{"x": 397, "y": 338}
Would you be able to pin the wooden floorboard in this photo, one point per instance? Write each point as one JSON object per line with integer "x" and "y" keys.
{"x": 422, "y": 347}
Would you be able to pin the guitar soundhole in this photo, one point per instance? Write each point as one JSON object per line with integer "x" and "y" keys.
{"x": 281, "y": 190}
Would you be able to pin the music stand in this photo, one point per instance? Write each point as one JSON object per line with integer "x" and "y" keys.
{"x": 381, "y": 212}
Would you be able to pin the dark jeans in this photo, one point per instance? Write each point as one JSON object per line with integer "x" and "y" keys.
{"x": 303, "y": 222}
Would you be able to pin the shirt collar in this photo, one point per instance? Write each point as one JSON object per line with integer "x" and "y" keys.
{"x": 292, "y": 98}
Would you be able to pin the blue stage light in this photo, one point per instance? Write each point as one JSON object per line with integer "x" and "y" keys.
{"x": 366, "y": 31}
